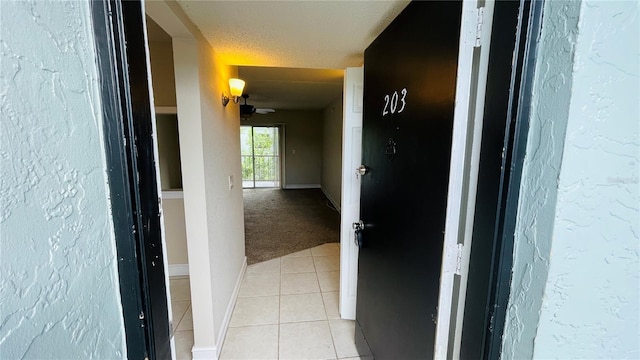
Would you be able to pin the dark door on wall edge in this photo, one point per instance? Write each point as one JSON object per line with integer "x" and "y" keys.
{"x": 512, "y": 60}
{"x": 401, "y": 209}
{"x": 409, "y": 98}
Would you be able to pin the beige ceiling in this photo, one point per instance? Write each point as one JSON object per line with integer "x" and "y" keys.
{"x": 284, "y": 48}
{"x": 295, "y": 34}
{"x": 290, "y": 88}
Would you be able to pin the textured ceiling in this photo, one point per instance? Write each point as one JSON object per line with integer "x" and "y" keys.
{"x": 289, "y": 88}
{"x": 294, "y": 34}
{"x": 285, "y": 50}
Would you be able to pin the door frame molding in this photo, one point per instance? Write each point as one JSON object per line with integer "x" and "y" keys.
{"x": 463, "y": 175}
{"x": 130, "y": 156}
{"x": 528, "y": 36}
{"x": 516, "y": 130}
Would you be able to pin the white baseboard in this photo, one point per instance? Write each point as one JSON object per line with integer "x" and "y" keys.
{"x": 302, "y": 186}
{"x": 166, "y": 109}
{"x": 172, "y": 194}
{"x": 178, "y": 270}
{"x": 204, "y": 353}
{"x": 335, "y": 205}
{"x": 230, "y": 306}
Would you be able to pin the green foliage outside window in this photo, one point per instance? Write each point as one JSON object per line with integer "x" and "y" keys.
{"x": 261, "y": 148}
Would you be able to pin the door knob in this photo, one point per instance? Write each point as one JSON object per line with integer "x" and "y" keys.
{"x": 360, "y": 171}
{"x": 358, "y": 225}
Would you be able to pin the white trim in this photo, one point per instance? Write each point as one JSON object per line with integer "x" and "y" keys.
{"x": 172, "y": 194}
{"x": 459, "y": 198}
{"x": 204, "y": 353}
{"x": 302, "y": 186}
{"x": 178, "y": 270}
{"x": 154, "y": 140}
{"x": 474, "y": 167}
{"x": 330, "y": 199}
{"x": 170, "y": 110}
{"x": 455, "y": 191}
{"x": 230, "y": 306}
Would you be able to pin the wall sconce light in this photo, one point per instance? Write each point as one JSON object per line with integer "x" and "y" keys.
{"x": 236, "y": 86}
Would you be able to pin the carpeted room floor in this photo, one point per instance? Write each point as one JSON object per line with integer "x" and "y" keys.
{"x": 279, "y": 222}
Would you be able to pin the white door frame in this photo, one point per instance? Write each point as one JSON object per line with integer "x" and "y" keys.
{"x": 464, "y": 164}
{"x": 154, "y": 136}
{"x": 350, "y": 197}
{"x": 465, "y": 158}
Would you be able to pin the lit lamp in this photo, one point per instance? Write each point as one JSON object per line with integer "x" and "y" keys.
{"x": 236, "y": 86}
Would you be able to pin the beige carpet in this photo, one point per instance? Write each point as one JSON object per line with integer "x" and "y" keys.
{"x": 279, "y": 222}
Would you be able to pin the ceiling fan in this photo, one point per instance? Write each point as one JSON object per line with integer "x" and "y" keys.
{"x": 246, "y": 111}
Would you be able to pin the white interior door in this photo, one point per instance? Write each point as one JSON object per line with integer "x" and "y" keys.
{"x": 351, "y": 157}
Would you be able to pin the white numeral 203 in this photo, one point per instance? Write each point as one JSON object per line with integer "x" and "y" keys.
{"x": 391, "y": 103}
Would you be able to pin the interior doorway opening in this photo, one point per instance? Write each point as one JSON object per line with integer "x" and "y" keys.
{"x": 260, "y": 152}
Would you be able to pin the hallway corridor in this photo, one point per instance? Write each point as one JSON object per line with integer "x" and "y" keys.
{"x": 287, "y": 308}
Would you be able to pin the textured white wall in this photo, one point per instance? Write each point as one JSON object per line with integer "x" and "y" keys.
{"x": 58, "y": 283}
{"x": 576, "y": 285}
{"x": 536, "y": 211}
{"x": 591, "y": 306}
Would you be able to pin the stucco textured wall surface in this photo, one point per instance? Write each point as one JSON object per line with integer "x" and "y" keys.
{"x": 58, "y": 284}
{"x": 591, "y": 307}
{"x": 585, "y": 302}
{"x": 550, "y": 109}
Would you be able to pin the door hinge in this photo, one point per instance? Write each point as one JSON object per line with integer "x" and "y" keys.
{"x": 459, "y": 259}
{"x": 479, "y": 22}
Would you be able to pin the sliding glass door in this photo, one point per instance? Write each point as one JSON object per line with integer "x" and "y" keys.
{"x": 260, "y": 146}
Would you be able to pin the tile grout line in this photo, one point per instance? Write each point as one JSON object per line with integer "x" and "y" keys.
{"x": 324, "y": 306}
{"x": 185, "y": 314}
{"x": 280, "y": 295}
{"x": 279, "y": 308}
{"x": 175, "y": 329}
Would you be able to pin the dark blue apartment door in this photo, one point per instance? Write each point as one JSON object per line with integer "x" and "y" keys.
{"x": 409, "y": 93}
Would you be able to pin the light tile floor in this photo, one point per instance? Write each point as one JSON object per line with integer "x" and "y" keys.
{"x": 287, "y": 308}
{"x": 182, "y": 316}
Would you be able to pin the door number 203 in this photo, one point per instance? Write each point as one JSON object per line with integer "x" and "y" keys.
{"x": 391, "y": 102}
